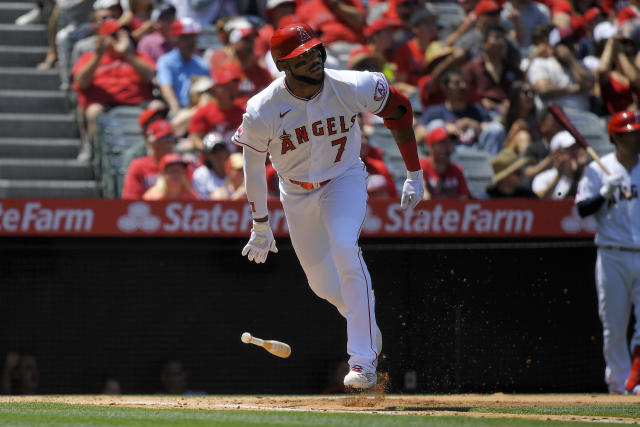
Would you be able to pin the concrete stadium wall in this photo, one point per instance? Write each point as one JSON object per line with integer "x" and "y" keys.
{"x": 456, "y": 316}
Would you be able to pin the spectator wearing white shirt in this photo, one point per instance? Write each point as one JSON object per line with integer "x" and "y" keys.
{"x": 556, "y": 73}
{"x": 211, "y": 175}
{"x": 569, "y": 160}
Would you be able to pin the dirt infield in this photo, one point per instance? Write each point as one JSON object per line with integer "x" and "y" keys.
{"x": 432, "y": 405}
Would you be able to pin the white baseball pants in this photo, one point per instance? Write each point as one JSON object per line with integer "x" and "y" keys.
{"x": 324, "y": 225}
{"x": 618, "y": 286}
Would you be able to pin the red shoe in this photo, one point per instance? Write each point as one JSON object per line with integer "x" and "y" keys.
{"x": 634, "y": 374}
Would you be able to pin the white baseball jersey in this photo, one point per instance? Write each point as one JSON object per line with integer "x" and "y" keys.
{"x": 618, "y": 219}
{"x": 316, "y": 139}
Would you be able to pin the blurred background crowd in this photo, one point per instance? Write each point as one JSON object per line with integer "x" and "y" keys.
{"x": 159, "y": 87}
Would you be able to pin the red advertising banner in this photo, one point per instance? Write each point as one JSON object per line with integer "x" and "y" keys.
{"x": 385, "y": 218}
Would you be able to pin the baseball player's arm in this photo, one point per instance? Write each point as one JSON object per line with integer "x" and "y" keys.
{"x": 398, "y": 118}
{"x": 255, "y": 182}
{"x": 590, "y": 206}
{"x": 261, "y": 241}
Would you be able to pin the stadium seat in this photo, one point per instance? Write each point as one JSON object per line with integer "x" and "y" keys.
{"x": 117, "y": 130}
{"x": 477, "y": 169}
{"x": 592, "y": 128}
{"x": 450, "y": 17}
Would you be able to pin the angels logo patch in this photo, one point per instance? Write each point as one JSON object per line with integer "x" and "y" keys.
{"x": 380, "y": 91}
{"x": 302, "y": 33}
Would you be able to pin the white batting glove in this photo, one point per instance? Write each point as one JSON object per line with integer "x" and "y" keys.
{"x": 412, "y": 190}
{"x": 611, "y": 183}
{"x": 260, "y": 243}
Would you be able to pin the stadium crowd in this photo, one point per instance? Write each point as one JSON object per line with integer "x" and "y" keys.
{"x": 480, "y": 74}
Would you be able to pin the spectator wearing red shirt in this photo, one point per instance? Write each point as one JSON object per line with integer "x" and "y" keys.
{"x": 275, "y": 10}
{"x": 221, "y": 114}
{"x": 239, "y": 53}
{"x": 409, "y": 57}
{"x": 402, "y": 11}
{"x": 380, "y": 179}
{"x": 115, "y": 74}
{"x": 173, "y": 182}
{"x": 334, "y": 20}
{"x": 443, "y": 179}
{"x": 143, "y": 172}
{"x": 490, "y": 75}
{"x": 617, "y": 77}
{"x": 380, "y": 37}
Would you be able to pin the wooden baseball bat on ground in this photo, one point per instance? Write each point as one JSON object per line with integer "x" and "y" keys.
{"x": 276, "y": 348}
{"x": 564, "y": 121}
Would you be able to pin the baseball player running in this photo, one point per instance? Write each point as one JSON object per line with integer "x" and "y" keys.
{"x": 307, "y": 122}
{"x": 618, "y": 242}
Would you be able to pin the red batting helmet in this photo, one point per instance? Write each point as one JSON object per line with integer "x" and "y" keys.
{"x": 293, "y": 40}
{"x": 624, "y": 121}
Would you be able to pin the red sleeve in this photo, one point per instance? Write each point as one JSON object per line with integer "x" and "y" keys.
{"x": 463, "y": 189}
{"x": 84, "y": 58}
{"x": 198, "y": 122}
{"x": 146, "y": 58}
{"x": 132, "y": 188}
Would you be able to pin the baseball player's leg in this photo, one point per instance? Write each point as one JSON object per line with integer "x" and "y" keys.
{"x": 614, "y": 308}
{"x": 632, "y": 262}
{"x": 310, "y": 241}
{"x": 343, "y": 206}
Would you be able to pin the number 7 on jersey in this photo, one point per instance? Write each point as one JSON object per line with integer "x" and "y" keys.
{"x": 342, "y": 142}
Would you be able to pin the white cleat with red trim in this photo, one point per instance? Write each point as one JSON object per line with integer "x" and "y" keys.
{"x": 361, "y": 378}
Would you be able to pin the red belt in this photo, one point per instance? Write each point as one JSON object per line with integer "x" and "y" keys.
{"x": 309, "y": 185}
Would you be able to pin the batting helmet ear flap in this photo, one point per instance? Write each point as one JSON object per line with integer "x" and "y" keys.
{"x": 323, "y": 52}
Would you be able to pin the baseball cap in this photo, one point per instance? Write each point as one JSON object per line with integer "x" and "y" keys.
{"x": 379, "y": 25}
{"x": 361, "y": 53}
{"x": 171, "y": 159}
{"x": 486, "y": 6}
{"x": 237, "y": 22}
{"x": 239, "y": 33}
{"x": 562, "y": 139}
{"x": 148, "y": 113}
{"x": 604, "y": 30}
{"x": 376, "y": 182}
{"x": 505, "y": 163}
{"x": 626, "y": 13}
{"x": 213, "y": 141}
{"x": 200, "y": 84}
{"x": 184, "y": 26}
{"x": 272, "y": 4}
{"x": 435, "y": 51}
{"x": 158, "y": 130}
{"x": 227, "y": 73}
{"x": 436, "y": 135}
{"x": 557, "y": 34}
{"x": 234, "y": 161}
{"x": 105, "y": 4}
{"x": 109, "y": 27}
{"x": 592, "y": 14}
{"x": 164, "y": 11}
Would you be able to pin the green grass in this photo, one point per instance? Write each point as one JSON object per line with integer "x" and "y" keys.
{"x": 55, "y": 414}
{"x": 614, "y": 411}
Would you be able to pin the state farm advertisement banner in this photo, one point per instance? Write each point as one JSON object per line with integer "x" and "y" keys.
{"x": 385, "y": 218}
